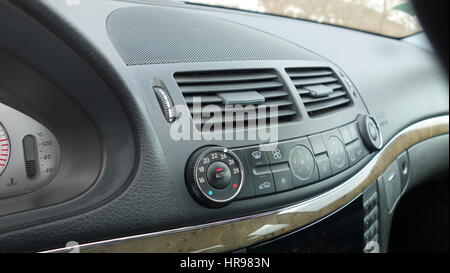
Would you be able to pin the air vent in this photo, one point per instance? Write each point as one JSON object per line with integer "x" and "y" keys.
{"x": 260, "y": 88}
{"x": 320, "y": 90}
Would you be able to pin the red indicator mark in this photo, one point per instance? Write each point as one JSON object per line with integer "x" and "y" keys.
{"x": 4, "y": 150}
{"x": 4, "y": 145}
{"x": 1, "y": 159}
{"x": 2, "y": 165}
{"x": 5, "y": 139}
{"x": 3, "y": 154}
{"x": 235, "y": 186}
{"x": 219, "y": 170}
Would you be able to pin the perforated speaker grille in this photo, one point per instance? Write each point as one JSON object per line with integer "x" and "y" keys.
{"x": 161, "y": 35}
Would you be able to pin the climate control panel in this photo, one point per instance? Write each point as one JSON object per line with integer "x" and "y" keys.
{"x": 216, "y": 176}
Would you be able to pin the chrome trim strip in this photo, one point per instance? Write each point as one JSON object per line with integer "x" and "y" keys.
{"x": 311, "y": 204}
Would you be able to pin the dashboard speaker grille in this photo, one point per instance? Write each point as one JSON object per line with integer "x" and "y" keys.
{"x": 161, "y": 35}
{"x": 320, "y": 89}
{"x": 261, "y": 88}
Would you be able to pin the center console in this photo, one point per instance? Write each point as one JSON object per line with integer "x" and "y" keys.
{"x": 215, "y": 176}
{"x": 338, "y": 233}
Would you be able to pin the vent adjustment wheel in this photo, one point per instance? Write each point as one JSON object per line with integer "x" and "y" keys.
{"x": 370, "y": 132}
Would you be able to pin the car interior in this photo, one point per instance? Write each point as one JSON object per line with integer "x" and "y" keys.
{"x": 215, "y": 126}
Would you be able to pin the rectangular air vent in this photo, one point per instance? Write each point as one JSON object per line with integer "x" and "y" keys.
{"x": 320, "y": 89}
{"x": 260, "y": 88}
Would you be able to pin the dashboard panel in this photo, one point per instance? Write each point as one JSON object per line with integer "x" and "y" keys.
{"x": 42, "y": 170}
{"x": 31, "y": 157}
{"x": 107, "y": 81}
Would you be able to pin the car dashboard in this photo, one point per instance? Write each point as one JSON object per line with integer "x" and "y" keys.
{"x": 94, "y": 99}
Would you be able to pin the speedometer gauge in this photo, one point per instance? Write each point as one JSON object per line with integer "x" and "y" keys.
{"x": 29, "y": 153}
{"x": 4, "y": 148}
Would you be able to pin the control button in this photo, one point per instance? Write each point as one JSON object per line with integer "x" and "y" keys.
{"x": 324, "y": 166}
{"x": 366, "y": 223}
{"x": 361, "y": 151}
{"x": 219, "y": 175}
{"x": 373, "y": 131}
{"x": 366, "y": 208}
{"x": 375, "y": 212}
{"x": 337, "y": 153}
{"x": 356, "y": 152}
{"x": 353, "y": 128}
{"x": 346, "y": 134}
{"x": 282, "y": 177}
{"x": 275, "y": 153}
{"x": 372, "y": 202}
{"x": 372, "y": 232}
{"x": 375, "y": 238}
{"x": 256, "y": 157}
{"x": 247, "y": 190}
{"x": 370, "y": 132}
{"x": 302, "y": 164}
{"x": 351, "y": 154}
{"x": 367, "y": 237}
{"x": 317, "y": 144}
{"x": 372, "y": 216}
{"x": 263, "y": 181}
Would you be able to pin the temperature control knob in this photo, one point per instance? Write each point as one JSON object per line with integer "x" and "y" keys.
{"x": 214, "y": 176}
{"x": 370, "y": 132}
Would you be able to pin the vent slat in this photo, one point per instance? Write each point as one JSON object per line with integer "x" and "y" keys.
{"x": 225, "y": 119}
{"x": 314, "y": 81}
{"x": 215, "y": 88}
{"x": 334, "y": 86}
{"x": 225, "y": 78}
{"x": 334, "y": 95}
{"x": 322, "y": 105}
{"x": 215, "y": 99}
{"x": 302, "y": 91}
{"x": 319, "y": 105}
{"x": 204, "y": 99}
{"x": 309, "y": 74}
{"x": 279, "y": 103}
{"x": 273, "y": 94}
{"x": 222, "y": 108}
{"x": 207, "y": 85}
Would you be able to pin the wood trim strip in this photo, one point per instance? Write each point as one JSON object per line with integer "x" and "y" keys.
{"x": 238, "y": 233}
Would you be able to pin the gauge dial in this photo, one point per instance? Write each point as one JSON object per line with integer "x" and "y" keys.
{"x": 214, "y": 176}
{"x": 4, "y": 148}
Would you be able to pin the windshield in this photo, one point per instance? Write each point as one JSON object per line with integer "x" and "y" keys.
{"x": 394, "y": 18}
